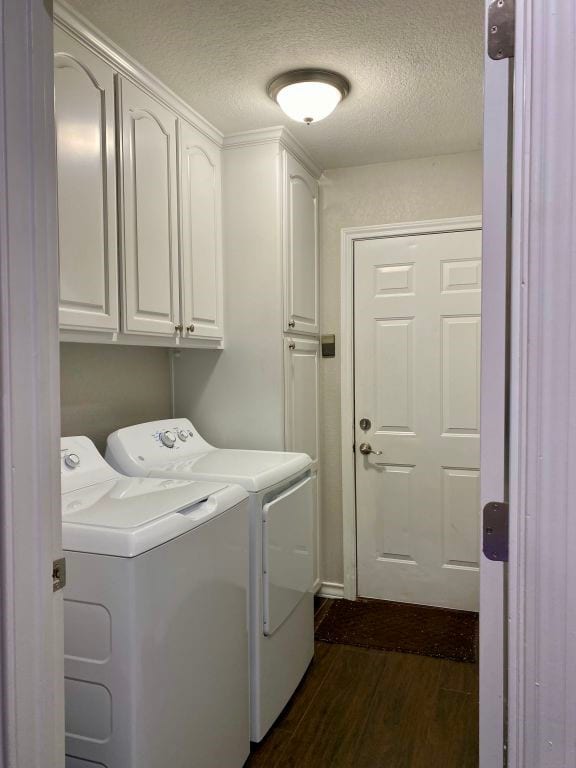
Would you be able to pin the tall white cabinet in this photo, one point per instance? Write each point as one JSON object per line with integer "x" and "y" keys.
{"x": 262, "y": 392}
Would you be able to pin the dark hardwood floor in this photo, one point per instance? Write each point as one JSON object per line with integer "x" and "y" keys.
{"x": 361, "y": 708}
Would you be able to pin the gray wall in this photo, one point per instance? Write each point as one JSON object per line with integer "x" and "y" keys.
{"x": 104, "y": 387}
{"x": 412, "y": 190}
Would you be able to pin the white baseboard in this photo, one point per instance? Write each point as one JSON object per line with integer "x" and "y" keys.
{"x": 331, "y": 589}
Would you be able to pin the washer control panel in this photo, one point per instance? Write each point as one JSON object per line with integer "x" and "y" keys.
{"x": 146, "y": 445}
{"x": 81, "y": 464}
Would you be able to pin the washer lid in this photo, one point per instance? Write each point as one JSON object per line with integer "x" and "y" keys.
{"x": 128, "y": 516}
{"x": 253, "y": 470}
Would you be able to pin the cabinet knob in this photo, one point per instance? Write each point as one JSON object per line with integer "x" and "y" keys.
{"x": 292, "y": 324}
{"x": 178, "y": 328}
{"x": 190, "y": 328}
{"x": 291, "y": 345}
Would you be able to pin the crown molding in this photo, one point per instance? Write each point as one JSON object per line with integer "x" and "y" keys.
{"x": 76, "y": 25}
{"x": 278, "y": 134}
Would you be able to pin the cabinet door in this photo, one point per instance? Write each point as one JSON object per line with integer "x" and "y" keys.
{"x": 302, "y": 357}
{"x": 84, "y": 115}
{"x": 201, "y": 234}
{"x": 301, "y": 387}
{"x": 149, "y": 213}
{"x": 301, "y": 248}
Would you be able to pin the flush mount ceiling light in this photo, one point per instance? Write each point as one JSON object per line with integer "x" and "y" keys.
{"x": 308, "y": 95}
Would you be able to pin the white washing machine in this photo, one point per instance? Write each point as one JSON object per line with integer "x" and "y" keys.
{"x": 281, "y": 545}
{"x": 155, "y": 618}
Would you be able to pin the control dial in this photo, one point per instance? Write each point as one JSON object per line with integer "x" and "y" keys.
{"x": 183, "y": 435}
{"x": 167, "y": 438}
{"x": 72, "y": 460}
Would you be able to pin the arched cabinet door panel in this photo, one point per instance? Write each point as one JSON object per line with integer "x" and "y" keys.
{"x": 201, "y": 234}
{"x": 149, "y": 223}
{"x": 84, "y": 116}
{"x": 300, "y": 248}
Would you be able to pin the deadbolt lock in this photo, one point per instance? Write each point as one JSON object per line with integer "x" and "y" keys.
{"x": 365, "y": 424}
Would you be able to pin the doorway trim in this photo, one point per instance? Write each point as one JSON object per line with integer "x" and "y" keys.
{"x": 349, "y": 236}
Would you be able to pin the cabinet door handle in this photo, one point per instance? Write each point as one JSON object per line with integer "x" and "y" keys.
{"x": 178, "y": 328}
{"x": 292, "y": 324}
{"x": 190, "y": 328}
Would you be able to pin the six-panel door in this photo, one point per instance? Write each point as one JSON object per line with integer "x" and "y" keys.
{"x": 300, "y": 248}
{"x": 84, "y": 115}
{"x": 201, "y": 236}
{"x": 149, "y": 205}
{"x": 417, "y": 383}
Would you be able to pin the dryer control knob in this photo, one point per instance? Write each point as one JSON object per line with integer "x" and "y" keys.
{"x": 167, "y": 438}
{"x": 183, "y": 435}
{"x": 72, "y": 460}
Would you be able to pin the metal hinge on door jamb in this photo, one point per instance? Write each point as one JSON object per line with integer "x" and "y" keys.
{"x": 495, "y": 525}
{"x": 58, "y": 574}
{"x": 501, "y": 20}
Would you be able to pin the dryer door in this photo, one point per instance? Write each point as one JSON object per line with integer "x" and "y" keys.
{"x": 287, "y": 552}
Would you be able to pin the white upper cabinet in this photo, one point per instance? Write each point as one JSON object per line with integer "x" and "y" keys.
{"x": 300, "y": 248}
{"x": 301, "y": 366}
{"x": 150, "y": 220}
{"x": 84, "y": 113}
{"x": 201, "y": 234}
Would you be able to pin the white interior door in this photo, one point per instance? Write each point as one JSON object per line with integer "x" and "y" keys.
{"x": 417, "y": 373}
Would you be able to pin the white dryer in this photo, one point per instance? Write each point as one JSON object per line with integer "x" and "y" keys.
{"x": 155, "y": 618}
{"x": 281, "y": 545}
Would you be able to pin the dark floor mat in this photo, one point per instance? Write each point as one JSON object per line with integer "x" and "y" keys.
{"x": 387, "y": 626}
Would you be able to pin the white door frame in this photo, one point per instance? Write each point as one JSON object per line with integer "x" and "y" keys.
{"x": 542, "y": 569}
{"x": 349, "y": 236}
{"x": 31, "y": 651}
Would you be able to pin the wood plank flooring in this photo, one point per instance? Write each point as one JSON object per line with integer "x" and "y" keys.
{"x": 361, "y": 708}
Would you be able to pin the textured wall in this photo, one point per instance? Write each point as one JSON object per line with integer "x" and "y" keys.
{"x": 410, "y": 190}
{"x": 105, "y": 387}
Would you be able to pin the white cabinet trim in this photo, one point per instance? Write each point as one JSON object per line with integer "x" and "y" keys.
{"x": 277, "y": 135}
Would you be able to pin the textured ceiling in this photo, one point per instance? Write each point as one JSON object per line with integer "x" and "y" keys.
{"x": 415, "y": 66}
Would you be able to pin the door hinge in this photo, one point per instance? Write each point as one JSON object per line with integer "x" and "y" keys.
{"x": 501, "y": 20}
{"x": 58, "y": 574}
{"x": 495, "y": 526}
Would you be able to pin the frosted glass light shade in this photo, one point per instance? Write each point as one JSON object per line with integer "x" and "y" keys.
{"x": 309, "y": 102}
{"x": 308, "y": 95}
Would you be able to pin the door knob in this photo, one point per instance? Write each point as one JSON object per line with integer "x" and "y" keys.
{"x": 366, "y": 449}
